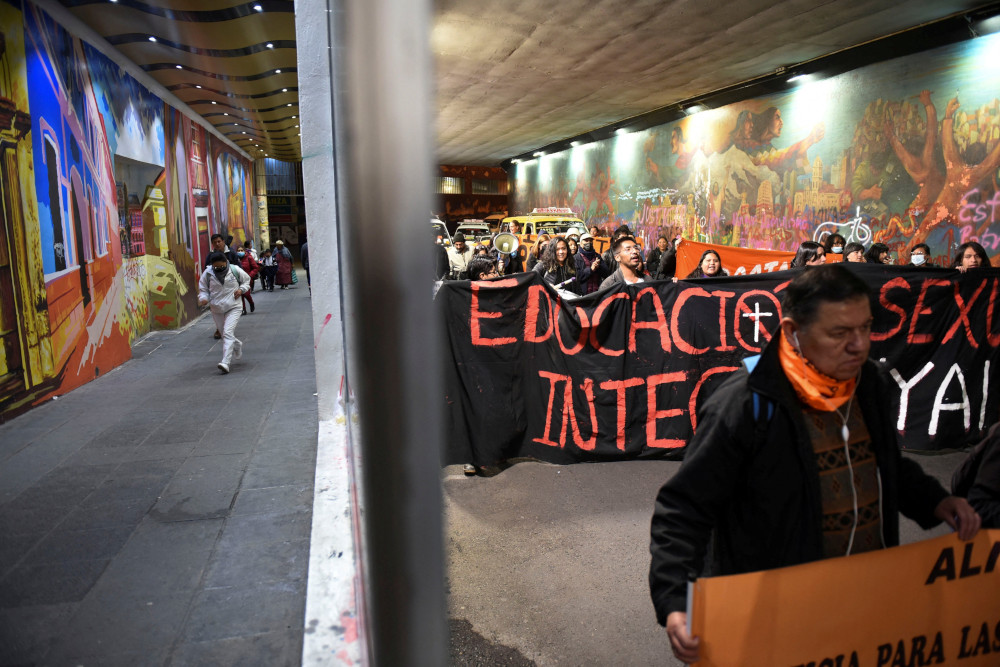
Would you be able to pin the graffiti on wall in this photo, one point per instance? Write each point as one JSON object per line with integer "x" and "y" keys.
{"x": 901, "y": 152}
{"x": 109, "y": 210}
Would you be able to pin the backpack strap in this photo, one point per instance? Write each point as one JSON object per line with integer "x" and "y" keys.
{"x": 760, "y": 424}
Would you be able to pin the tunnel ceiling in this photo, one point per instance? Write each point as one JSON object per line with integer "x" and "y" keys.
{"x": 510, "y": 76}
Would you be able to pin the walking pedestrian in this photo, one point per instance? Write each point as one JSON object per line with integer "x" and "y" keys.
{"x": 220, "y": 288}
{"x": 252, "y": 268}
{"x": 283, "y": 262}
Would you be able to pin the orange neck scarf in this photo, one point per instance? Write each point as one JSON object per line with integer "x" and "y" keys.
{"x": 815, "y": 389}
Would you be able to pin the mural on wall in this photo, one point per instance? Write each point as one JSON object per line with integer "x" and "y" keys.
{"x": 107, "y": 196}
{"x": 233, "y": 187}
{"x": 900, "y": 152}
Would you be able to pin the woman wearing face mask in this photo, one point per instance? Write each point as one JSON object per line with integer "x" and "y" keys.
{"x": 220, "y": 287}
{"x": 920, "y": 255}
{"x": 592, "y": 259}
{"x": 854, "y": 252}
{"x": 971, "y": 255}
{"x": 252, "y": 268}
{"x": 834, "y": 244}
{"x": 536, "y": 252}
{"x": 709, "y": 266}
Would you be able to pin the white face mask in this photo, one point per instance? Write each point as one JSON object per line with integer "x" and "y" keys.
{"x": 837, "y": 249}
{"x": 918, "y": 259}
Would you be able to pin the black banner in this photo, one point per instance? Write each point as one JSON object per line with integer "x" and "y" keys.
{"x": 620, "y": 374}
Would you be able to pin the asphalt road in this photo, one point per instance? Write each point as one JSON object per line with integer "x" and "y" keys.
{"x": 548, "y": 564}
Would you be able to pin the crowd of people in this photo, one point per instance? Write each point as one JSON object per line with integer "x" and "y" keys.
{"x": 226, "y": 285}
{"x": 572, "y": 264}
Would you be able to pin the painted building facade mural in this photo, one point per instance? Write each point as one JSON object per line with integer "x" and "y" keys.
{"x": 108, "y": 208}
{"x": 900, "y": 152}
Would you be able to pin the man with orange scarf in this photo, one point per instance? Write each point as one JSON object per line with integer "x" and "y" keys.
{"x": 795, "y": 458}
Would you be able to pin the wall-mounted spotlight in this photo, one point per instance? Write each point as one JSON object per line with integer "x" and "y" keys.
{"x": 538, "y": 153}
{"x": 621, "y": 130}
{"x": 692, "y": 109}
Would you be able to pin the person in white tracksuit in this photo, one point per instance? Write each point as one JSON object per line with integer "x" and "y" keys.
{"x": 220, "y": 288}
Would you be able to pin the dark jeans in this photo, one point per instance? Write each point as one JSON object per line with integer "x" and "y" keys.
{"x": 267, "y": 280}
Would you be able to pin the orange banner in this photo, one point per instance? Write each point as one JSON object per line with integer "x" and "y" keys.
{"x": 735, "y": 261}
{"x": 935, "y": 602}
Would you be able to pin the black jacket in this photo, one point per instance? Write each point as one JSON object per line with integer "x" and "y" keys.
{"x": 984, "y": 496}
{"x": 762, "y": 495}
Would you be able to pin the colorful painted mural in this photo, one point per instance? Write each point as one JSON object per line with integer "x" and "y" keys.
{"x": 107, "y": 200}
{"x": 900, "y": 152}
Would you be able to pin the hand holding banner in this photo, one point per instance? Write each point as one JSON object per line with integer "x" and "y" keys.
{"x": 933, "y": 602}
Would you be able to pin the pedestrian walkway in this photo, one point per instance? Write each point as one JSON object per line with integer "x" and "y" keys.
{"x": 161, "y": 514}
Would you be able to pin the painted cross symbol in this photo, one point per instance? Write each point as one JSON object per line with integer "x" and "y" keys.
{"x": 756, "y": 315}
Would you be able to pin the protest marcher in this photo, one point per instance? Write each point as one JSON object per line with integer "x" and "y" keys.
{"x": 812, "y": 472}
{"x": 536, "y": 252}
{"x": 220, "y": 287}
{"x": 304, "y": 256}
{"x": 709, "y": 266}
{"x": 283, "y": 263}
{"x": 629, "y": 262}
{"x": 441, "y": 265}
{"x": 563, "y": 269}
{"x": 920, "y": 255}
{"x": 609, "y": 254}
{"x": 592, "y": 258}
{"x": 653, "y": 256}
{"x": 574, "y": 244}
{"x": 854, "y": 252}
{"x": 834, "y": 243}
{"x": 978, "y": 478}
{"x": 878, "y": 254}
{"x": 482, "y": 268}
{"x": 251, "y": 268}
{"x": 970, "y": 255}
{"x": 459, "y": 256}
{"x": 268, "y": 270}
{"x": 809, "y": 253}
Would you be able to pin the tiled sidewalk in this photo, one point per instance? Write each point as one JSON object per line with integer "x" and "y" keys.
{"x": 161, "y": 514}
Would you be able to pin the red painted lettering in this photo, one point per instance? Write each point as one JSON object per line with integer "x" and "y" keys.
{"x": 535, "y": 295}
{"x": 588, "y": 391}
{"x": 660, "y": 324}
{"x": 724, "y": 345}
{"x": 553, "y": 378}
{"x": 883, "y": 298}
{"x": 992, "y": 337}
{"x": 963, "y": 316}
{"x": 584, "y": 326}
{"x": 598, "y": 312}
{"x": 476, "y": 314}
{"x": 620, "y": 386}
{"x": 913, "y": 338}
{"x": 653, "y": 414}
{"x": 682, "y": 344}
{"x": 693, "y": 403}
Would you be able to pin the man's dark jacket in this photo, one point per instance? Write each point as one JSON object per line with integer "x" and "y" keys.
{"x": 762, "y": 494}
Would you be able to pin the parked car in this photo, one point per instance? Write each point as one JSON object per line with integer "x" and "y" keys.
{"x": 474, "y": 229}
{"x": 442, "y": 231}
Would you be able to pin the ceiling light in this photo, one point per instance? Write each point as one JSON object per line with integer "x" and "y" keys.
{"x": 296, "y": 126}
{"x": 270, "y": 45}
{"x": 516, "y": 160}
{"x": 538, "y": 153}
{"x": 293, "y": 117}
{"x": 277, "y": 71}
{"x": 621, "y": 130}
{"x": 225, "y": 113}
{"x": 152, "y": 39}
{"x": 284, "y": 90}
{"x": 214, "y": 102}
{"x": 574, "y": 144}
{"x": 694, "y": 108}
{"x": 258, "y": 8}
{"x": 197, "y": 86}
{"x": 244, "y": 132}
{"x": 178, "y": 67}
{"x": 289, "y": 104}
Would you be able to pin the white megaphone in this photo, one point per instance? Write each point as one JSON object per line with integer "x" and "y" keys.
{"x": 506, "y": 243}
